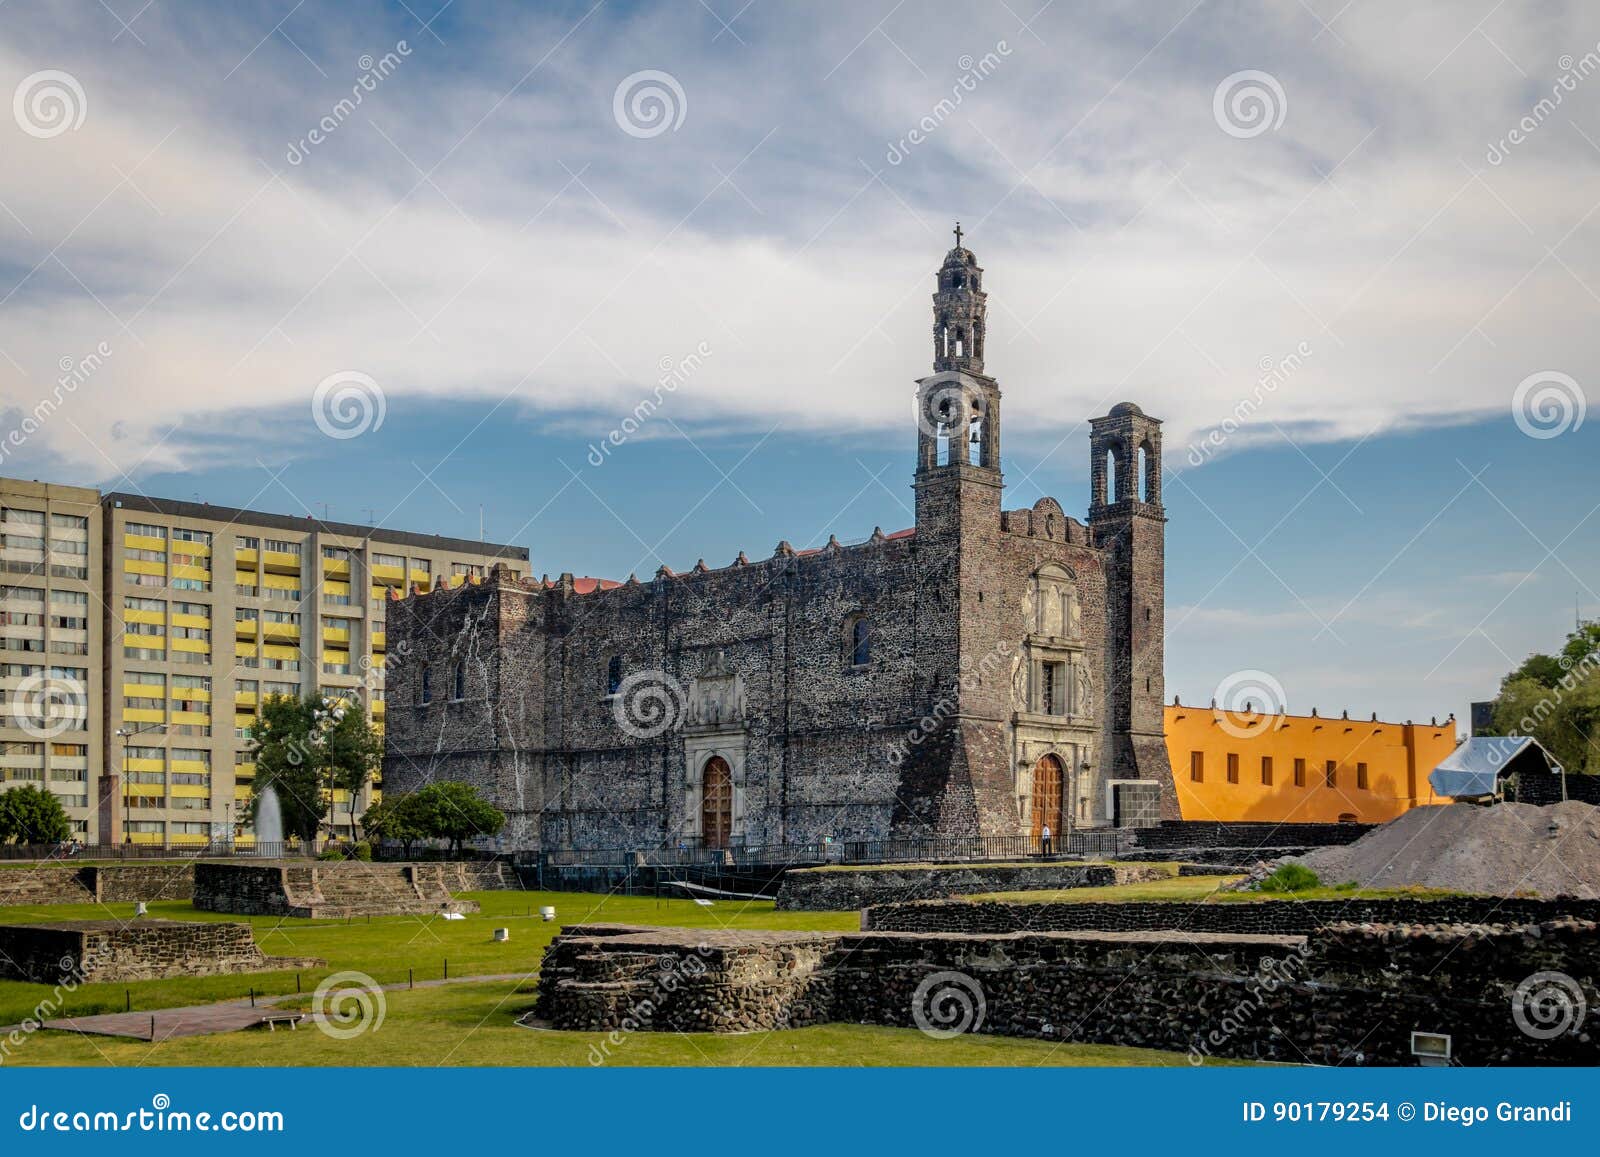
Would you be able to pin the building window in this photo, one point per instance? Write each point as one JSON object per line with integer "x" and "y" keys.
{"x": 1053, "y": 689}
{"x": 1299, "y": 773}
{"x": 1266, "y": 770}
{"x": 460, "y": 681}
{"x": 1330, "y": 773}
{"x": 614, "y": 675}
{"x": 1233, "y": 768}
{"x": 1361, "y": 776}
{"x": 1197, "y": 767}
{"x": 427, "y": 686}
{"x": 860, "y": 642}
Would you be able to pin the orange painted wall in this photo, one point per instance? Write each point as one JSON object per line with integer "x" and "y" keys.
{"x": 1398, "y": 756}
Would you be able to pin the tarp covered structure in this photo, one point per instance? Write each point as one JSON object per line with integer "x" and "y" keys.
{"x": 1474, "y": 770}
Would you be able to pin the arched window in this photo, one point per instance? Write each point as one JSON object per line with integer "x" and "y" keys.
{"x": 427, "y": 686}
{"x": 460, "y": 688}
{"x": 1149, "y": 471}
{"x": 860, "y": 642}
{"x": 614, "y": 675}
{"x": 1111, "y": 476}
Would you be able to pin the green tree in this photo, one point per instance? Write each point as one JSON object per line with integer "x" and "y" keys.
{"x": 395, "y": 818}
{"x": 1556, "y": 700}
{"x": 456, "y": 812}
{"x": 297, "y": 750}
{"x": 31, "y": 815}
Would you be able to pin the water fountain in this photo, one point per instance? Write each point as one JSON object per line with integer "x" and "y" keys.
{"x": 269, "y": 824}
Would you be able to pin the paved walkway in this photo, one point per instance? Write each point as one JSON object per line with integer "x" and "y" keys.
{"x": 231, "y": 1016}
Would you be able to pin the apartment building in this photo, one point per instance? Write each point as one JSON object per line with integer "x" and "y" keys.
{"x": 52, "y": 641}
{"x": 191, "y": 615}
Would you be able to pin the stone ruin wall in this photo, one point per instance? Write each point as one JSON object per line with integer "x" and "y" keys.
{"x": 840, "y": 890}
{"x": 106, "y": 950}
{"x": 1242, "y": 917}
{"x": 333, "y": 890}
{"x": 1348, "y": 994}
{"x": 85, "y": 884}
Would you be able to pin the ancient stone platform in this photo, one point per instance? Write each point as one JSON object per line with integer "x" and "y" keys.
{"x": 324, "y": 891}
{"x": 1344, "y": 993}
{"x": 833, "y": 889}
{"x": 92, "y": 951}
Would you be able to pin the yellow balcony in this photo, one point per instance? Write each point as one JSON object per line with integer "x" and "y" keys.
{"x": 281, "y": 630}
{"x": 193, "y": 646}
{"x": 335, "y": 634}
{"x": 246, "y": 629}
{"x": 244, "y": 650}
{"x": 190, "y": 571}
{"x": 145, "y": 690}
{"x": 242, "y": 791}
{"x": 278, "y": 651}
{"x": 201, "y": 621}
{"x": 278, "y": 561}
{"x": 245, "y": 557}
{"x": 140, "y": 566}
{"x": 143, "y": 542}
{"x": 191, "y": 790}
{"x": 380, "y": 640}
{"x": 143, "y": 715}
{"x": 420, "y": 576}
{"x": 137, "y": 616}
{"x": 201, "y": 718}
{"x": 339, "y": 567}
{"x": 244, "y": 698}
{"x": 392, "y": 574}
{"x": 137, "y": 763}
{"x": 378, "y": 709}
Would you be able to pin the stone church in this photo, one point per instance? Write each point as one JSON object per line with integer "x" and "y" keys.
{"x": 986, "y": 672}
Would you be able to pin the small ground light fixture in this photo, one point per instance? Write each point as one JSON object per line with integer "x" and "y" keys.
{"x": 1432, "y": 1049}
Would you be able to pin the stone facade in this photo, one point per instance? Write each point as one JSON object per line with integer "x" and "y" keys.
{"x": 840, "y": 890}
{"x": 983, "y": 673}
{"x": 112, "y": 950}
{"x": 317, "y": 891}
{"x": 1346, "y": 994}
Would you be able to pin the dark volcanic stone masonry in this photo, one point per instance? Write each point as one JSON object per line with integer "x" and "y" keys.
{"x": 92, "y": 951}
{"x": 984, "y": 673}
{"x": 839, "y": 890}
{"x": 1348, "y": 994}
{"x": 1281, "y": 917}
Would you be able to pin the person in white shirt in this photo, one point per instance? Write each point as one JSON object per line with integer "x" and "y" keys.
{"x": 1044, "y": 840}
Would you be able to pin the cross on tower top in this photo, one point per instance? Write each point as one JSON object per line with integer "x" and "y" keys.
{"x": 958, "y": 234}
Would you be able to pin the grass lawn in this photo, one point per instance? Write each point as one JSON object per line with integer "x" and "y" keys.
{"x": 1205, "y": 889}
{"x": 472, "y": 1023}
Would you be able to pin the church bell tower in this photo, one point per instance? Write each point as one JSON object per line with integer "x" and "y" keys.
{"x": 958, "y": 405}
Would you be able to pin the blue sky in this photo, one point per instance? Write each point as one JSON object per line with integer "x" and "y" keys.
{"x": 500, "y": 246}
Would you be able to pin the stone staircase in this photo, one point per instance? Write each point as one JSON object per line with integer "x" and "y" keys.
{"x": 358, "y": 889}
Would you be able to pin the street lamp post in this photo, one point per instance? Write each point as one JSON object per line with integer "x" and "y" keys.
{"x": 328, "y": 715}
{"x": 125, "y": 734}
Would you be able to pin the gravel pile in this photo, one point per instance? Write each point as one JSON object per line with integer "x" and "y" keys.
{"x": 1504, "y": 850}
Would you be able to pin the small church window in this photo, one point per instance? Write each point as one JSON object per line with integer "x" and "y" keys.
{"x": 427, "y": 686}
{"x": 614, "y": 675}
{"x": 460, "y": 688}
{"x": 860, "y": 643}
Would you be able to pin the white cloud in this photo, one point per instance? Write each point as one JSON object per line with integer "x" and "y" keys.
{"x": 553, "y": 260}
